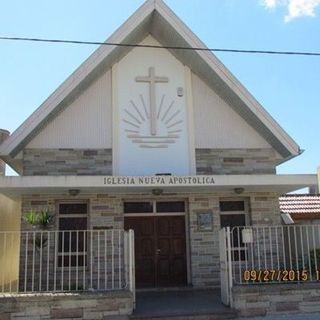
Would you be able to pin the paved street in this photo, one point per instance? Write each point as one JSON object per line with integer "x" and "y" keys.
{"x": 311, "y": 316}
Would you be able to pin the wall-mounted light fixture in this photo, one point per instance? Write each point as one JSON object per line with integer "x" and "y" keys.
{"x": 157, "y": 192}
{"x": 238, "y": 190}
{"x": 73, "y": 192}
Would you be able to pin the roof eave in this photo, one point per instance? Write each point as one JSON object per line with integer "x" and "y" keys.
{"x": 15, "y": 164}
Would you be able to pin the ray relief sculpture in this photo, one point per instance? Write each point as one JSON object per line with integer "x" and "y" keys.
{"x": 156, "y": 125}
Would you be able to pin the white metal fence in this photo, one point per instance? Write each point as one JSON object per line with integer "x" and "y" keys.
{"x": 51, "y": 261}
{"x": 273, "y": 254}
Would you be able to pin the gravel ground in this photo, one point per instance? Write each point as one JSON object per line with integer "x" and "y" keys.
{"x": 308, "y": 316}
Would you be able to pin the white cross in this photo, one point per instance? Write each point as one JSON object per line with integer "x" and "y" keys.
{"x": 152, "y": 79}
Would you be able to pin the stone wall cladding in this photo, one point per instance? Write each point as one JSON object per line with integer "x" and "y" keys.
{"x": 66, "y": 162}
{"x": 261, "y": 300}
{"x": 104, "y": 214}
{"x": 236, "y": 161}
{"x": 106, "y": 211}
{"x": 204, "y": 245}
{"x": 264, "y": 207}
{"x": 111, "y": 305}
{"x": 43, "y": 162}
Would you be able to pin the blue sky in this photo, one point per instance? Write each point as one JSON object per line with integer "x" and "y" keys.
{"x": 287, "y": 86}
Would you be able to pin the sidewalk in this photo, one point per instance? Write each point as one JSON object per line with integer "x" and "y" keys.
{"x": 307, "y": 316}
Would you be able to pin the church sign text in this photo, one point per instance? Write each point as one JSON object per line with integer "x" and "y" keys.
{"x": 159, "y": 181}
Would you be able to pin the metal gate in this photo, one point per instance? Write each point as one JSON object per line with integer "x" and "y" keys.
{"x": 225, "y": 266}
{"x": 260, "y": 255}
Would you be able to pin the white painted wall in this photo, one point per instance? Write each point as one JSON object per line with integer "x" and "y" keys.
{"x": 147, "y": 157}
{"x": 10, "y": 217}
{"x": 217, "y": 125}
{"x": 85, "y": 123}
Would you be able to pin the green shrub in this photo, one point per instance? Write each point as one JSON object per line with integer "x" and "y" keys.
{"x": 41, "y": 219}
{"x": 44, "y": 218}
{"x": 31, "y": 217}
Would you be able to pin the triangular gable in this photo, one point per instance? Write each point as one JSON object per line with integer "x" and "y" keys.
{"x": 156, "y": 18}
{"x": 212, "y": 115}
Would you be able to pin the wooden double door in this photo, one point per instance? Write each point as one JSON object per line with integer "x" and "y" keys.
{"x": 160, "y": 250}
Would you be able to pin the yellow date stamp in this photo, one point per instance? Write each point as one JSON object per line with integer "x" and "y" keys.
{"x": 271, "y": 275}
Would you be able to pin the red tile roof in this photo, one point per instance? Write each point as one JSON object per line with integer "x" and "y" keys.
{"x": 301, "y": 206}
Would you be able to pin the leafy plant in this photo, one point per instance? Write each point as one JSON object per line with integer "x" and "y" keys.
{"x": 40, "y": 241}
{"x": 41, "y": 219}
{"x": 31, "y": 217}
{"x": 44, "y": 218}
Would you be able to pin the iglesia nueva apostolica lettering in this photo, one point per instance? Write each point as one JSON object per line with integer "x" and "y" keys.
{"x": 160, "y": 180}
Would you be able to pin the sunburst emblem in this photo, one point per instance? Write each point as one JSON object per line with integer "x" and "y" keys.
{"x": 157, "y": 125}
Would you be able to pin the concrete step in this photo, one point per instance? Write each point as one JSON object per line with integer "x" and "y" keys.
{"x": 181, "y": 305}
{"x": 212, "y": 316}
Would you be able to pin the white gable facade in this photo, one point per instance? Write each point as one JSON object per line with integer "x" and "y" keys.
{"x": 153, "y": 110}
{"x": 162, "y": 141}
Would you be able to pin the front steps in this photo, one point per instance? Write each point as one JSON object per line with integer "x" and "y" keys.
{"x": 217, "y": 316}
{"x": 183, "y": 304}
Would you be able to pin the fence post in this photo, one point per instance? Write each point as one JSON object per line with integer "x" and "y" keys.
{"x": 132, "y": 279}
{"x": 126, "y": 257}
{"x": 229, "y": 264}
{"x": 224, "y": 276}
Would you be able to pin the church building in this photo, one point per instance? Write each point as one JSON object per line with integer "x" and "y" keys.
{"x": 152, "y": 138}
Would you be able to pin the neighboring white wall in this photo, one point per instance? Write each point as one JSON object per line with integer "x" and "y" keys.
{"x": 10, "y": 214}
{"x": 85, "y": 123}
{"x": 217, "y": 125}
{"x": 10, "y": 217}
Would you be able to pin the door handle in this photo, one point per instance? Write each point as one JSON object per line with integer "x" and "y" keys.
{"x": 158, "y": 251}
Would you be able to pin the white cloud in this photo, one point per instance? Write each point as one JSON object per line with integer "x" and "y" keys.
{"x": 296, "y": 8}
{"x": 270, "y": 3}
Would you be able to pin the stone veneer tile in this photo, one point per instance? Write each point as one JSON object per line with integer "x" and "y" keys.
{"x": 46, "y": 162}
{"x": 236, "y": 161}
{"x": 279, "y": 298}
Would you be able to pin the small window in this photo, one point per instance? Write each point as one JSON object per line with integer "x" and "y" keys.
{"x": 233, "y": 214}
{"x": 73, "y": 208}
{"x": 231, "y": 205}
{"x": 232, "y": 220}
{"x": 72, "y": 224}
{"x": 154, "y": 207}
{"x": 72, "y": 245}
{"x": 138, "y": 207}
{"x": 170, "y": 206}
